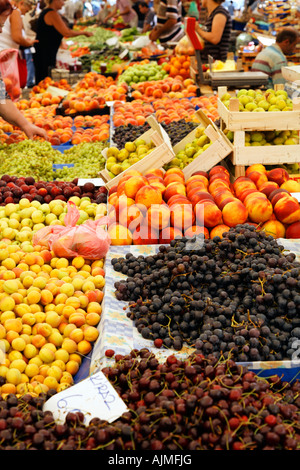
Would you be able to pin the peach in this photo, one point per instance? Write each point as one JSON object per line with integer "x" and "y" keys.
{"x": 201, "y": 172}
{"x": 293, "y": 230}
{"x": 291, "y": 186}
{"x": 287, "y": 210}
{"x": 178, "y": 198}
{"x": 182, "y": 216}
{"x": 158, "y": 216}
{"x": 277, "y": 194}
{"x": 218, "y": 169}
{"x": 174, "y": 170}
{"x": 258, "y": 178}
{"x": 268, "y": 187}
{"x": 122, "y": 202}
{"x": 256, "y": 167}
{"x": 196, "y": 230}
{"x": 218, "y": 231}
{"x": 200, "y": 196}
{"x": 154, "y": 178}
{"x": 119, "y": 235}
{"x": 200, "y": 178}
{"x": 155, "y": 171}
{"x": 145, "y": 235}
{"x": 195, "y": 186}
{"x": 133, "y": 184}
{"x": 242, "y": 183}
{"x": 234, "y": 213}
{"x": 274, "y": 228}
{"x": 174, "y": 188}
{"x": 252, "y": 195}
{"x": 121, "y": 185}
{"x": 222, "y": 176}
{"x": 158, "y": 185}
{"x": 218, "y": 183}
{"x": 169, "y": 233}
{"x": 279, "y": 175}
{"x": 221, "y": 193}
{"x": 226, "y": 200}
{"x": 148, "y": 195}
{"x": 131, "y": 217}
{"x": 207, "y": 214}
{"x": 259, "y": 208}
{"x": 172, "y": 178}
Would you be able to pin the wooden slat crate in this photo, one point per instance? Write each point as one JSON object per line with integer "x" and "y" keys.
{"x": 159, "y": 156}
{"x": 243, "y": 156}
{"x": 234, "y": 120}
{"x": 220, "y": 148}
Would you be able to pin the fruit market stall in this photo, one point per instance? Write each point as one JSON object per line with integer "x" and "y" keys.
{"x": 135, "y": 260}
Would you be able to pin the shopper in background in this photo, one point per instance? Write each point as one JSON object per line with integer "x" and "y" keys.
{"x": 217, "y": 31}
{"x": 103, "y": 12}
{"x": 125, "y": 9}
{"x": 8, "y": 111}
{"x": 72, "y": 10}
{"x": 169, "y": 27}
{"x": 150, "y": 16}
{"x": 140, "y": 15}
{"x": 13, "y": 36}
{"x": 51, "y": 29}
{"x": 271, "y": 59}
{"x": 29, "y": 51}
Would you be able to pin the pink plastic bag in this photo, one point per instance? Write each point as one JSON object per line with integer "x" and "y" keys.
{"x": 45, "y": 235}
{"x": 88, "y": 240}
{"x": 9, "y": 70}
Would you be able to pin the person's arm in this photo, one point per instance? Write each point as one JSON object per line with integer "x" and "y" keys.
{"x": 214, "y": 36}
{"x": 160, "y": 30}
{"x": 54, "y": 19}
{"x": 147, "y": 23}
{"x": 111, "y": 14}
{"x": 146, "y": 27}
{"x": 10, "y": 113}
{"x": 16, "y": 26}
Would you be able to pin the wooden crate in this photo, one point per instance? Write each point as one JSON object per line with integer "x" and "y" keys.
{"x": 243, "y": 156}
{"x": 159, "y": 156}
{"x": 234, "y": 120}
{"x": 220, "y": 148}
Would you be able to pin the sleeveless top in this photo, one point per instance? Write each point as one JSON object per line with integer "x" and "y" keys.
{"x": 218, "y": 51}
{"x": 48, "y": 37}
{"x": 6, "y": 41}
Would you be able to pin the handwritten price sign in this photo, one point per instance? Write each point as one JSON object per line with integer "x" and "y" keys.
{"x": 95, "y": 397}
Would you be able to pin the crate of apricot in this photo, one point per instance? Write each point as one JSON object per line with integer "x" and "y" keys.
{"x": 147, "y": 151}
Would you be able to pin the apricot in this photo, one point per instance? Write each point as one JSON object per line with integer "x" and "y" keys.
{"x": 119, "y": 235}
{"x": 234, "y": 213}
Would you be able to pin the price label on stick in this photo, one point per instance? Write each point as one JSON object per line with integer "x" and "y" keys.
{"x": 95, "y": 397}
{"x": 96, "y": 181}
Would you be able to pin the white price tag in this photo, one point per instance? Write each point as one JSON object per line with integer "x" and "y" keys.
{"x": 296, "y": 195}
{"x": 96, "y": 181}
{"x": 95, "y": 397}
{"x": 123, "y": 54}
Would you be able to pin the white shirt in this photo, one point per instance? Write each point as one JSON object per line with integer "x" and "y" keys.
{"x": 26, "y": 23}
{"x": 6, "y": 41}
{"x": 70, "y": 8}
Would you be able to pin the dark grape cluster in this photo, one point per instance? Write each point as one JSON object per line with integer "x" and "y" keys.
{"x": 236, "y": 295}
{"x": 193, "y": 404}
{"x": 176, "y": 131}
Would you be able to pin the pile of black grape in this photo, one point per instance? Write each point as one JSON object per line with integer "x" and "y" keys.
{"x": 175, "y": 130}
{"x": 236, "y": 295}
{"x": 193, "y": 404}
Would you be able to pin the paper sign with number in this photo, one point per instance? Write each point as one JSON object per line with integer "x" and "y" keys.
{"x": 95, "y": 397}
